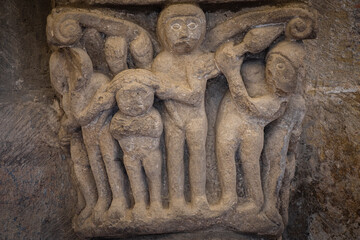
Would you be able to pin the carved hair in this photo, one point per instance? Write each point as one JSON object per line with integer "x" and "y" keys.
{"x": 179, "y": 10}
{"x": 291, "y": 50}
{"x": 130, "y": 76}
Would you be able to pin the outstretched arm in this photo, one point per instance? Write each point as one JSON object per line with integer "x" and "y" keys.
{"x": 229, "y": 58}
{"x": 191, "y": 91}
{"x": 191, "y": 94}
{"x": 101, "y": 101}
{"x": 230, "y": 64}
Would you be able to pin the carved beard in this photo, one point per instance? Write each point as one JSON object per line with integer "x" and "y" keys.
{"x": 184, "y": 46}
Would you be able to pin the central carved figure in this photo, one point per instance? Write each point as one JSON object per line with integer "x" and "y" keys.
{"x": 260, "y": 55}
{"x": 183, "y": 70}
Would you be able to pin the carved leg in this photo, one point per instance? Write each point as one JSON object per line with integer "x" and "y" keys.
{"x": 285, "y": 189}
{"x": 98, "y": 169}
{"x": 110, "y": 153}
{"x": 226, "y": 147}
{"x": 275, "y": 156}
{"x": 152, "y": 167}
{"x": 251, "y": 145}
{"x": 174, "y": 142}
{"x": 196, "y": 132}
{"x": 136, "y": 178}
{"x": 83, "y": 175}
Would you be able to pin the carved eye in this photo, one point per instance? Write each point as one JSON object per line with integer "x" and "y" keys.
{"x": 280, "y": 66}
{"x": 176, "y": 26}
{"x": 192, "y": 25}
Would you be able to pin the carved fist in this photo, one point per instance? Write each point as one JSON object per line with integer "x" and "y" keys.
{"x": 204, "y": 67}
{"x": 227, "y": 58}
{"x": 105, "y": 99}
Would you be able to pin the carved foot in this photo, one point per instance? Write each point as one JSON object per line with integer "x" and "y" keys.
{"x": 85, "y": 213}
{"x": 156, "y": 210}
{"x": 178, "y": 206}
{"x": 274, "y": 219}
{"x": 248, "y": 208}
{"x": 200, "y": 205}
{"x": 225, "y": 203}
{"x": 139, "y": 211}
{"x": 117, "y": 209}
{"x": 266, "y": 226}
{"x": 99, "y": 210}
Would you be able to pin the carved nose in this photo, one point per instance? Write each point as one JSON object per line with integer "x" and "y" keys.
{"x": 184, "y": 33}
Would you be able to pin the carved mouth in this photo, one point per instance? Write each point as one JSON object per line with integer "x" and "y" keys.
{"x": 182, "y": 41}
{"x": 183, "y": 45}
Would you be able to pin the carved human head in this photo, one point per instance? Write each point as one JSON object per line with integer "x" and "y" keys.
{"x": 282, "y": 64}
{"x": 135, "y": 95}
{"x": 181, "y": 28}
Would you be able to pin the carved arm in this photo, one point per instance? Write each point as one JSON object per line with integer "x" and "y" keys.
{"x": 101, "y": 101}
{"x": 189, "y": 95}
{"x": 300, "y": 23}
{"x": 230, "y": 65}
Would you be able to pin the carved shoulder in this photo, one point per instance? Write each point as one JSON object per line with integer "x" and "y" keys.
{"x": 298, "y": 102}
{"x": 162, "y": 62}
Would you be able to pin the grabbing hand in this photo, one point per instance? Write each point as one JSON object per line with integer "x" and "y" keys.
{"x": 204, "y": 67}
{"x": 105, "y": 99}
{"x": 227, "y": 58}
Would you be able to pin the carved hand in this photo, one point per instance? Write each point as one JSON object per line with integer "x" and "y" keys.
{"x": 105, "y": 99}
{"x": 204, "y": 67}
{"x": 227, "y": 58}
{"x": 258, "y": 39}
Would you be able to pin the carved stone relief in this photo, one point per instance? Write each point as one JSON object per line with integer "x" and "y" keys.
{"x": 136, "y": 120}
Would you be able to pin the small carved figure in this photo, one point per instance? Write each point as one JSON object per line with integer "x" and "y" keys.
{"x": 138, "y": 127}
{"x": 184, "y": 69}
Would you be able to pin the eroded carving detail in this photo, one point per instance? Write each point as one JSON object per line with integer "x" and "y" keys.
{"x": 115, "y": 132}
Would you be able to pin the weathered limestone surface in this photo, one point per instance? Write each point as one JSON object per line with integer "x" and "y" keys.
{"x": 327, "y": 178}
{"x": 38, "y": 197}
{"x": 35, "y": 191}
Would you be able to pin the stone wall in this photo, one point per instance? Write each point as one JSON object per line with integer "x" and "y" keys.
{"x": 36, "y": 196}
{"x": 38, "y": 200}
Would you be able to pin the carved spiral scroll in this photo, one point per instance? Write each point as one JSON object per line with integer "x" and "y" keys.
{"x": 299, "y": 28}
{"x": 68, "y": 31}
{"x": 65, "y": 26}
{"x": 300, "y": 22}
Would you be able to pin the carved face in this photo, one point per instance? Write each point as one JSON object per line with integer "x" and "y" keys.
{"x": 281, "y": 74}
{"x": 135, "y": 99}
{"x": 183, "y": 34}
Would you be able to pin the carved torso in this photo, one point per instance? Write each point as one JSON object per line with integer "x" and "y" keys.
{"x": 146, "y": 125}
{"x": 178, "y": 70}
